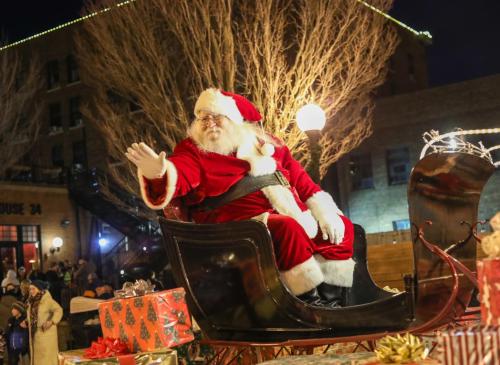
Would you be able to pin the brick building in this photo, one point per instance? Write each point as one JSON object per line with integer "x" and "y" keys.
{"x": 372, "y": 179}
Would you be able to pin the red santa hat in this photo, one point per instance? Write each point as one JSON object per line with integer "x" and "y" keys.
{"x": 235, "y": 107}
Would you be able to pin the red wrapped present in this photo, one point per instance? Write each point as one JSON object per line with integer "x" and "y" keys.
{"x": 149, "y": 321}
{"x": 488, "y": 274}
{"x": 157, "y": 357}
{"x": 470, "y": 346}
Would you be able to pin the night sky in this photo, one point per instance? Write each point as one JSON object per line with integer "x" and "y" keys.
{"x": 465, "y": 37}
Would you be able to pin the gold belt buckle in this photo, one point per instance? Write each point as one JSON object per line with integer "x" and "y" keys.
{"x": 281, "y": 178}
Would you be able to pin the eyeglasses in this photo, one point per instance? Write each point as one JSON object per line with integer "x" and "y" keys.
{"x": 205, "y": 119}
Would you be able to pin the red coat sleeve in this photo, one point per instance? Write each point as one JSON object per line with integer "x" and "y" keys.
{"x": 299, "y": 179}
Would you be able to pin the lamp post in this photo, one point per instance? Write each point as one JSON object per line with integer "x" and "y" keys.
{"x": 311, "y": 120}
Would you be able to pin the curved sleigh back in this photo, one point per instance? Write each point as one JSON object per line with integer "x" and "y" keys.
{"x": 445, "y": 189}
{"x": 234, "y": 289}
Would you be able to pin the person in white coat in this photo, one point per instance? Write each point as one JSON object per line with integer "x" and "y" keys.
{"x": 44, "y": 313}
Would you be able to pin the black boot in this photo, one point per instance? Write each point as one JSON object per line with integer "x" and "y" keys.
{"x": 332, "y": 296}
{"x": 311, "y": 297}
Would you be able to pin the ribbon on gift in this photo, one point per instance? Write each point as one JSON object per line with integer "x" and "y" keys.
{"x": 491, "y": 245}
{"x": 139, "y": 288}
{"x": 106, "y": 347}
{"x": 400, "y": 349}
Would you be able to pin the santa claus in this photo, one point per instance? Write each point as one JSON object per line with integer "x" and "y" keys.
{"x": 228, "y": 169}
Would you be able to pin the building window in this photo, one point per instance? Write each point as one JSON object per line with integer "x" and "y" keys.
{"x": 360, "y": 170}
{"x": 72, "y": 66}
{"x": 75, "y": 116}
{"x": 401, "y": 224}
{"x": 57, "y": 155}
{"x": 55, "y": 117}
{"x": 398, "y": 165}
{"x": 30, "y": 233}
{"x": 79, "y": 156}
{"x": 8, "y": 233}
{"x": 52, "y": 74}
{"x": 20, "y": 246}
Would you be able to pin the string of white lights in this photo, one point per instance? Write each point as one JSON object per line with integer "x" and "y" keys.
{"x": 455, "y": 142}
{"x": 426, "y": 35}
{"x": 64, "y": 25}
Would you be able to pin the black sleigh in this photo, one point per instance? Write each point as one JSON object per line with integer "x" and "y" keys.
{"x": 234, "y": 291}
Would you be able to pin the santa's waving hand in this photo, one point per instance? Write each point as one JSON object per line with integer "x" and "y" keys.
{"x": 151, "y": 164}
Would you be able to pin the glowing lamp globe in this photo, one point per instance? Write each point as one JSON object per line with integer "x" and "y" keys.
{"x": 57, "y": 242}
{"x": 311, "y": 117}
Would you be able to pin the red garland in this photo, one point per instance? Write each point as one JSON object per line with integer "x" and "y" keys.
{"x": 106, "y": 347}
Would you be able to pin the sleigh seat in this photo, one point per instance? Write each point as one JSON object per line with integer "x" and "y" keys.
{"x": 234, "y": 291}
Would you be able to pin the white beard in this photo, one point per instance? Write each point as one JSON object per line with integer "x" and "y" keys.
{"x": 229, "y": 138}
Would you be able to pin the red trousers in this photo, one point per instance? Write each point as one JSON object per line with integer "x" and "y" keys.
{"x": 292, "y": 246}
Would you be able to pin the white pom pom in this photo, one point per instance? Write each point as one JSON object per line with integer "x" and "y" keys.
{"x": 267, "y": 149}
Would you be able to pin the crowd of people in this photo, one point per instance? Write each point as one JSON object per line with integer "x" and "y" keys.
{"x": 33, "y": 303}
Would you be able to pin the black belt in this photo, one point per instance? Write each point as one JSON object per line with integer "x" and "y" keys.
{"x": 245, "y": 186}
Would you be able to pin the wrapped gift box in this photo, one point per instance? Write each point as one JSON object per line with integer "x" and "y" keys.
{"x": 470, "y": 346}
{"x": 148, "y": 322}
{"x": 158, "y": 357}
{"x": 357, "y": 358}
{"x": 488, "y": 273}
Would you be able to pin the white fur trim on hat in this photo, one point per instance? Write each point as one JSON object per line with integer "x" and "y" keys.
{"x": 213, "y": 101}
{"x": 303, "y": 277}
{"x": 337, "y": 272}
{"x": 169, "y": 188}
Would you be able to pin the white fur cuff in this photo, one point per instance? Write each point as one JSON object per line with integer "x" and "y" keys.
{"x": 303, "y": 277}
{"x": 307, "y": 221}
{"x": 322, "y": 205}
{"x": 169, "y": 188}
{"x": 337, "y": 272}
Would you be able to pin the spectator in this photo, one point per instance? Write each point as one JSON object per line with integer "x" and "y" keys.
{"x": 11, "y": 278}
{"x": 44, "y": 313}
{"x": 82, "y": 273}
{"x": 21, "y": 273}
{"x": 17, "y": 335}
{"x": 93, "y": 282}
{"x": 24, "y": 290}
{"x": 3, "y": 346}
{"x": 5, "y": 305}
{"x": 11, "y": 292}
{"x": 55, "y": 282}
{"x": 36, "y": 274}
{"x": 4, "y": 313}
{"x": 6, "y": 266}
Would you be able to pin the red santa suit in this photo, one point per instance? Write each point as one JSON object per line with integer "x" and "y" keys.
{"x": 291, "y": 212}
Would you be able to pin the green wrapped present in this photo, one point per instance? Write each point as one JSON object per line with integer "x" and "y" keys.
{"x": 157, "y": 357}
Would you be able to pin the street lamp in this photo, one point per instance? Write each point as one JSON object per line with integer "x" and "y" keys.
{"x": 311, "y": 120}
{"x": 57, "y": 243}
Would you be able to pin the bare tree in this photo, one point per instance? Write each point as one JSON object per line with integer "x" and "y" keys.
{"x": 19, "y": 110}
{"x": 157, "y": 55}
